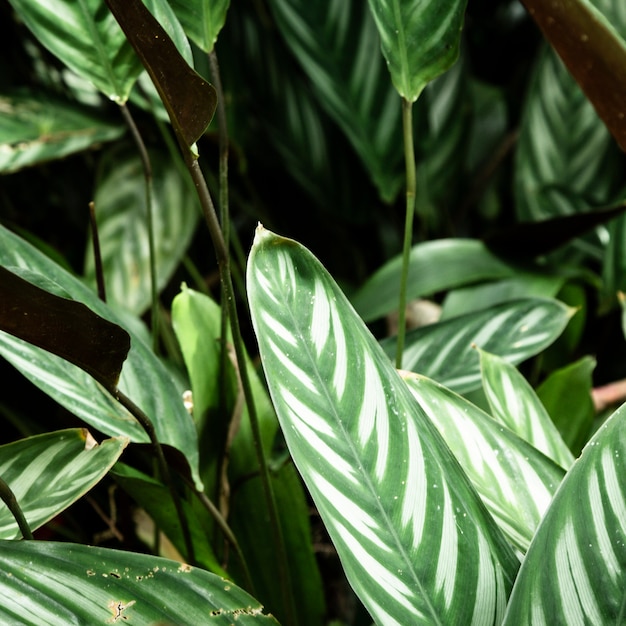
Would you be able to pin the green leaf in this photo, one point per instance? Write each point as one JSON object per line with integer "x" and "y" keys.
{"x": 49, "y": 472}
{"x": 514, "y": 403}
{"x": 369, "y": 455}
{"x": 120, "y": 203}
{"x": 202, "y": 20}
{"x": 515, "y": 481}
{"x": 333, "y": 42}
{"x": 566, "y": 395}
{"x": 419, "y": 39}
{"x": 86, "y": 37}
{"x": 144, "y": 378}
{"x": 63, "y": 583}
{"x": 43, "y": 128}
{"x": 574, "y": 571}
{"x": 434, "y": 266}
{"x": 515, "y": 330}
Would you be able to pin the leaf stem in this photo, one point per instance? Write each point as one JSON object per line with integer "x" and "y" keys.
{"x": 409, "y": 159}
{"x": 97, "y": 255}
{"x": 8, "y": 497}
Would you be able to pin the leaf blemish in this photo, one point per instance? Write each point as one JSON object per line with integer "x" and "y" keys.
{"x": 117, "y": 608}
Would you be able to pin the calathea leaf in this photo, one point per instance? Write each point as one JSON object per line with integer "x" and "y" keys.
{"x": 401, "y": 513}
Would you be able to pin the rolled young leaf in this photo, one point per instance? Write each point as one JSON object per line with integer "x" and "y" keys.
{"x": 396, "y": 504}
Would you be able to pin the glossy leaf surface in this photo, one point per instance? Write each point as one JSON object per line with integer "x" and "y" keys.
{"x": 574, "y": 571}
{"x": 515, "y": 481}
{"x": 49, "y": 472}
{"x": 515, "y": 330}
{"x": 515, "y": 404}
{"x": 65, "y": 583}
{"x": 202, "y": 20}
{"x": 369, "y": 455}
{"x": 144, "y": 378}
{"x": 38, "y": 129}
{"x": 120, "y": 203}
{"x": 419, "y": 39}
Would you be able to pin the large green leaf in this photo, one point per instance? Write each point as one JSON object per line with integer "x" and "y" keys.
{"x": 144, "y": 378}
{"x": 121, "y": 213}
{"x": 399, "y": 510}
{"x": 575, "y": 569}
{"x": 434, "y": 266}
{"x": 419, "y": 39}
{"x": 515, "y": 481}
{"x": 514, "y": 330}
{"x": 334, "y": 43}
{"x": 514, "y": 403}
{"x": 44, "y": 128}
{"x": 202, "y": 20}
{"x": 49, "y": 472}
{"x": 63, "y": 583}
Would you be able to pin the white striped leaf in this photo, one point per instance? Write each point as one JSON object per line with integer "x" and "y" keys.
{"x": 416, "y": 542}
{"x": 515, "y": 330}
{"x": 515, "y": 481}
{"x": 575, "y": 569}
{"x": 49, "y": 472}
{"x": 515, "y": 404}
{"x": 43, "y": 582}
{"x": 419, "y": 39}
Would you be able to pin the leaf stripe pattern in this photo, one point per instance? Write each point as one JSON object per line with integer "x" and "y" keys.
{"x": 400, "y": 511}
{"x": 574, "y": 571}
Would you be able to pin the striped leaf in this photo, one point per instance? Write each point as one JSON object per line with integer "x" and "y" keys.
{"x": 416, "y": 542}
{"x": 57, "y": 584}
{"x": 515, "y": 481}
{"x": 575, "y": 569}
{"x": 514, "y": 330}
{"x": 419, "y": 39}
{"x": 515, "y": 404}
{"x": 49, "y": 472}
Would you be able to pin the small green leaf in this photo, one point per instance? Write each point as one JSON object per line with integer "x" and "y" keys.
{"x": 419, "y": 39}
{"x": 396, "y": 504}
{"x": 575, "y": 569}
{"x": 42, "y": 128}
{"x": 49, "y": 472}
{"x": 202, "y": 20}
{"x": 64, "y": 583}
{"x": 515, "y": 404}
{"x": 515, "y": 481}
{"x": 514, "y": 330}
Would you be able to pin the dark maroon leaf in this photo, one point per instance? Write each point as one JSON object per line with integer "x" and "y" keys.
{"x": 63, "y": 327}
{"x": 189, "y": 99}
{"x": 593, "y": 52}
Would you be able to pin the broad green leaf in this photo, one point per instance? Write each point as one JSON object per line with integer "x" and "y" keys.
{"x": 86, "y": 37}
{"x": 49, "y": 472}
{"x": 574, "y": 571}
{"x": 43, "y": 128}
{"x": 144, "y": 378}
{"x": 399, "y": 510}
{"x": 565, "y": 161}
{"x": 434, "y": 266}
{"x": 515, "y": 330}
{"x": 64, "y": 583}
{"x": 419, "y": 39}
{"x": 515, "y": 481}
{"x": 121, "y": 213}
{"x": 566, "y": 395}
{"x": 202, "y": 20}
{"x": 515, "y": 404}
{"x": 334, "y": 42}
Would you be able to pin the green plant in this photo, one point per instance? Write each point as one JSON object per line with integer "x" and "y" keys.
{"x": 449, "y": 492}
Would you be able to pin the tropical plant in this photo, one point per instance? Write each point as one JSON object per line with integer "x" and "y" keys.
{"x": 458, "y": 472}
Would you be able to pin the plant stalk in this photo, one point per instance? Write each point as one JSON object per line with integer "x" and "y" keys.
{"x": 97, "y": 255}
{"x": 411, "y": 186}
{"x": 8, "y": 497}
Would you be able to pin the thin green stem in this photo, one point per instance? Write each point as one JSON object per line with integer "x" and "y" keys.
{"x": 8, "y": 497}
{"x": 409, "y": 159}
{"x": 147, "y": 173}
{"x": 221, "y": 252}
{"x": 164, "y": 469}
